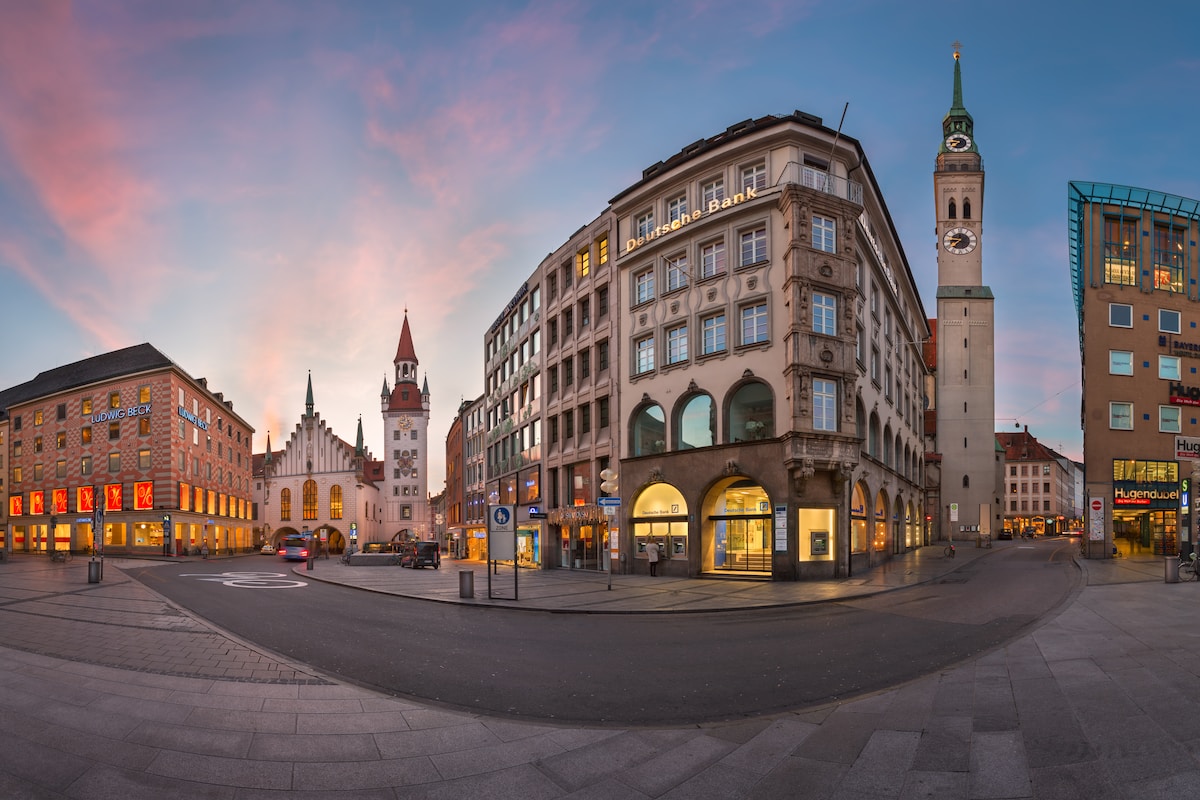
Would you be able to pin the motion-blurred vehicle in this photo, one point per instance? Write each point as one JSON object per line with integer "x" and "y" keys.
{"x": 268, "y": 549}
{"x": 422, "y": 554}
{"x": 294, "y": 548}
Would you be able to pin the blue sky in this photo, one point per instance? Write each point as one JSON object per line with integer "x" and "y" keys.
{"x": 261, "y": 189}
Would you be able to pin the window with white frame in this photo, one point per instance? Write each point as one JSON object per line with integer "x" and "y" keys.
{"x": 824, "y": 405}
{"x": 712, "y": 330}
{"x": 1120, "y": 416}
{"x": 645, "y": 224}
{"x": 754, "y": 176}
{"x": 1168, "y": 419}
{"x": 1120, "y": 362}
{"x": 712, "y": 259}
{"x": 677, "y": 208}
{"x": 1168, "y": 321}
{"x": 643, "y": 286}
{"x": 644, "y": 354}
{"x": 712, "y": 192}
{"x": 823, "y": 230}
{"x": 754, "y": 324}
{"x": 1168, "y": 368}
{"x": 677, "y": 271}
{"x": 677, "y": 344}
{"x": 824, "y": 313}
{"x": 754, "y": 246}
{"x": 1120, "y": 315}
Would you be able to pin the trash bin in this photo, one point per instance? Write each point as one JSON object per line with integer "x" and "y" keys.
{"x": 1171, "y": 569}
{"x": 466, "y": 583}
{"x": 94, "y": 572}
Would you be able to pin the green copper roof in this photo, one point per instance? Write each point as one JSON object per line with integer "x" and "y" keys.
{"x": 958, "y": 119}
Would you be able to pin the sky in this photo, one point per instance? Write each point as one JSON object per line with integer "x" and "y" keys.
{"x": 262, "y": 189}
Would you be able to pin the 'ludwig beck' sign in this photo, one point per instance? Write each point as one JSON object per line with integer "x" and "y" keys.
{"x": 1187, "y": 448}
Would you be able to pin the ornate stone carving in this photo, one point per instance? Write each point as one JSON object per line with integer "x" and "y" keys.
{"x": 641, "y": 319}
{"x": 806, "y": 471}
{"x": 712, "y": 294}
{"x": 731, "y": 469}
{"x": 656, "y": 475}
{"x": 826, "y": 271}
{"x": 674, "y": 306}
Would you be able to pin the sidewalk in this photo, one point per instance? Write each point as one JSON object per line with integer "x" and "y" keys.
{"x": 110, "y": 692}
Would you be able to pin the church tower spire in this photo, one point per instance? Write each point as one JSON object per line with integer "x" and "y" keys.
{"x": 966, "y": 375}
{"x": 308, "y": 400}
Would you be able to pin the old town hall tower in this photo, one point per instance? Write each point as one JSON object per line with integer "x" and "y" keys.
{"x": 406, "y": 447}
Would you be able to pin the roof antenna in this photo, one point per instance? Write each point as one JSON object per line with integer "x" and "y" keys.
{"x": 832, "y": 147}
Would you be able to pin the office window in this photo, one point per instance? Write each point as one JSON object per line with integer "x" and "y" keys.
{"x": 1120, "y": 315}
{"x": 60, "y": 468}
{"x": 754, "y": 177}
{"x": 144, "y": 426}
{"x": 114, "y": 400}
{"x": 712, "y": 259}
{"x": 1120, "y": 416}
{"x": 568, "y": 323}
{"x": 1168, "y": 368}
{"x": 602, "y": 302}
{"x": 602, "y": 413}
{"x": 568, "y": 425}
{"x": 60, "y": 440}
{"x": 114, "y": 462}
{"x": 114, "y": 430}
{"x": 585, "y": 363}
{"x": 712, "y": 192}
{"x": 1170, "y": 259}
{"x": 583, "y": 264}
{"x": 713, "y": 334}
{"x": 823, "y": 229}
{"x": 645, "y": 224}
{"x": 824, "y": 405}
{"x": 1168, "y": 419}
{"x": 1120, "y": 251}
{"x": 643, "y": 286}
{"x": 754, "y": 324}
{"x": 85, "y": 407}
{"x": 677, "y": 345}
{"x": 585, "y": 419}
{"x": 601, "y": 251}
{"x": 602, "y": 355}
{"x": 61, "y": 412}
{"x": 644, "y": 355}
{"x": 143, "y": 394}
{"x": 754, "y": 246}
{"x": 824, "y": 312}
{"x": 37, "y": 473}
{"x": 568, "y": 368}
{"x": 144, "y": 458}
{"x": 677, "y": 208}
{"x": 677, "y": 271}
{"x": 85, "y": 465}
{"x": 37, "y": 418}
{"x": 1120, "y": 362}
{"x": 1168, "y": 321}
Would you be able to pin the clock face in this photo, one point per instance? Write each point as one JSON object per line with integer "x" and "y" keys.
{"x": 405, "y": 423}
{"x": 960, "y": 241}
{"x": 958, "y": 142}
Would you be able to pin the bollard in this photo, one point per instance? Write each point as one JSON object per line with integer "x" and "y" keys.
{"x": 1171, "y": 569}
{"x": 308, "y": 562}
{"x": 93, "y": 572}
{"x": 466, "y": 583}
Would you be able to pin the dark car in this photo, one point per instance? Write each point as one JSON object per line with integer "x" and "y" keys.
{"x": 1005, "y": 534}
{"x": 294, "y": 548}
{"x": 422, "y": 554}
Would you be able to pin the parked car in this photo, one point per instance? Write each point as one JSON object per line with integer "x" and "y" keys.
{"x": 422, "y": 554}
{"x": 268, "y": 549}
{"x": 1004, "y": 534}
{"x": 294, "y": 548}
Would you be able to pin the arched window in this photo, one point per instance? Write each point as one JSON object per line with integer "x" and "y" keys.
{"x": 285, "y": 504}
{"x": 751, "y": 413}
{"x": 887, "y": 446}
{"x": 310, "y": 499}
{"x": 953, "y": 210}
{"x": 649, "y": 430}
{"x": 966, "y": 481}
{"x": 966, "y": 208}
{"x": 873, "y": 436}
{"x": 696, "y": 424}
{"x": 335, "y": 502}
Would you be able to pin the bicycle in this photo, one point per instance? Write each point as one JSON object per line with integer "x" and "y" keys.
{"x": 61, "y": 556}
{"x": 949, "y": 551}
{"x": 1189, "y": 568}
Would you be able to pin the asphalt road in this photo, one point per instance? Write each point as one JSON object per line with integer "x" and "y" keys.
{"x": 630, "y": 670}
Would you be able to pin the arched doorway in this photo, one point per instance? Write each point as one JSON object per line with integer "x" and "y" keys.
{"x": 737, "y": 528}
{"x": 879, "y": 543}
{"x": 661, "y": 514}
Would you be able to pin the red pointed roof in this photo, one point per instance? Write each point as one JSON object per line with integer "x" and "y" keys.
{"x": 406, "y": 352}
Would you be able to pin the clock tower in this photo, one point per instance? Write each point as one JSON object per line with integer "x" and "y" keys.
{"x": 406, "y": 447}
{"x": 966, "y": 364}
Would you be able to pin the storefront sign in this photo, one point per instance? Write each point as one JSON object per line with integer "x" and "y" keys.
{"x": 37, "y": 502}
{"x": 113, "y": 496}
{"x": 781, "y": 528}
{"x": 143, "y": 495}
{"x": 1188, "y": 349}
{"x": 121, "y": 413}
{"x": 1187, "y": 448}
{"x": 713, "y": 207}
{"x": 1146, "y": 495}
{"x": 58, "y": 499}
{"x": 1184, "y": 395}
{"x": 192, "y": 418}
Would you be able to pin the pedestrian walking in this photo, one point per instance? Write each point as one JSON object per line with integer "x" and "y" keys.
{"x": 652, "y": 551}
{"x": 204, "y": 550}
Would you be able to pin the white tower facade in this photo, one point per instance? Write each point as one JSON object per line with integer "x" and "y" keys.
{"x": 405, "y": 410}
{"x": 966, "y": 361}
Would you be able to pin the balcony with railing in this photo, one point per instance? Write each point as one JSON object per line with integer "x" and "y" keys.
{"x": 821, "y": 181}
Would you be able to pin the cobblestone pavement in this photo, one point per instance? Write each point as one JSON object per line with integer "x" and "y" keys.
{"x": 108, "y": 691}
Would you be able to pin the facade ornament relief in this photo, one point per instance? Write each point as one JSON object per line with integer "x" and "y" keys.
{"x": 731, "y": 469}
{"x": 656, "y": 475}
